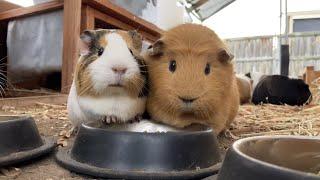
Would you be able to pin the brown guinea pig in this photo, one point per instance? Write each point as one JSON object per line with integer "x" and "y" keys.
{"x": 245, "y": 88}
{"x": 192, "y": 80}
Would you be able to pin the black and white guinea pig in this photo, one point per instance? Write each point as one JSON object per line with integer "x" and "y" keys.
{"x": 110, "y": 78}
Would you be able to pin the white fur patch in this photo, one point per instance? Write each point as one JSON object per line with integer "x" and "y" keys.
{"x": 256, "y": 77}
{"x": 244, "y": 77}
{"x": 75, "y": 114}
{"x": 115, "y": 103}
{"x": 123, "y": 107}
{"x": 116, "y": 54}
{"x": 150, "y": 127}
{"x": 144, "y": 126}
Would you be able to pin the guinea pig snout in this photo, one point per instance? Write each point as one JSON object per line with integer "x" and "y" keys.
{"x": 119, "y": 70}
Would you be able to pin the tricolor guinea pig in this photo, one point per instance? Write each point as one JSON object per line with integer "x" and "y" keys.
{"x": 191, "y": 79}
{"x": 110, "y": 78}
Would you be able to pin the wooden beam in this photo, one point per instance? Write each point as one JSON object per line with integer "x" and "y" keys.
{"x": 125, "y": 16}
{"x": 121, "y": 25}
{"x": 87, "y": 18}
{"x": 32, "y": 10}
{"x": 71, "y": 32}
{"x": 111, "y": 20}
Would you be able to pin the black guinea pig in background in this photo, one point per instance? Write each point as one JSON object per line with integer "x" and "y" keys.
{"x": 277, "y": 89}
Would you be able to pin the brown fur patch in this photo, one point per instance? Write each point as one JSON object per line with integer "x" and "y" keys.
{"x": 133, "y": 41}
{"x": 134, "y": 85}
{"x": 192, "y": 47}
{"x": 82, "y": 77}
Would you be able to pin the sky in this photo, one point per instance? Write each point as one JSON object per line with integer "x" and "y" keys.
{"x": 23, "y": 3}
{"x": 245, "y": 18}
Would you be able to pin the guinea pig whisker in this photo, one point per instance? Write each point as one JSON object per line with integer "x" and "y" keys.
{"x": 205, "y": 110}
{"x": 203, "y": 94}
{"x": 3, "y": 59}
{"x": 84, "y": 90}
{"x": 169, "y": 106}
{"x": 2, "y": 91}
{"x": 2, "y": 78}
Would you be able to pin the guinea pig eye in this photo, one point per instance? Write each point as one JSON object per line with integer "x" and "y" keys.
{"x": 172, "y": 65}
{"x": 100, "y": 51}
{"x": 207, "y": 69}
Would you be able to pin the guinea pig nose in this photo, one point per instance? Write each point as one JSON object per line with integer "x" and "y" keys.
{"x": 187, "y": 100}
{"x": 119, "y": 70}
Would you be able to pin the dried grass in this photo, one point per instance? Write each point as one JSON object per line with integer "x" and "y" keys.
{"x": 51, "y": 119}
{"x": 251, "y": 121}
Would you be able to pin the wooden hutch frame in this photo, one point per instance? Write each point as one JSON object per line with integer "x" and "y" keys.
{"x": 79, "y": 15}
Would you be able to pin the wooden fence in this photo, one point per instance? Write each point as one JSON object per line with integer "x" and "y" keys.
{"x": 261, "y": 53}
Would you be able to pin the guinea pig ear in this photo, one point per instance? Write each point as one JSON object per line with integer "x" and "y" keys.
{"x": 225, "y": 56}
{"x": 156, "y": 49}
{"x": 136, "y": 39}
{"x": 248, "y": 75}
{"x": 86, "y": 42}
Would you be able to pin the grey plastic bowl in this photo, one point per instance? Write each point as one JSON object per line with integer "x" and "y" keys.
{"x": 20, "y": 140}
{"x": 272, "y": 157}
{"x": 121, "y": 153}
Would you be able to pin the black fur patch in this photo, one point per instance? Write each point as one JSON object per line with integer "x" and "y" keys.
{"x": 248, "y": 75}
{"x": 94, "y": 46}
{"x": 277, "y": 89}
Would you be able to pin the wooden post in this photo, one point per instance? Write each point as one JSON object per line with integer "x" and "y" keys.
{"x": 71, "y": 32}
{"x": 284, "y": 60}
{"x": 87, "y": 18}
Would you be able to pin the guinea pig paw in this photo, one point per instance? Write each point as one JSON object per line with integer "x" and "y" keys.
{"x": 106, "y": 119}
{"x": 111, "y": 119}
{"x": 115, "y": 119}
{"x": 137, "y": 118}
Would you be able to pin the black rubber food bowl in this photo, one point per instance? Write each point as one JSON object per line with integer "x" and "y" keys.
{"x": 128, "y": 152}
{"x": 20, "y": 140}
{"x": 272, "y": 157}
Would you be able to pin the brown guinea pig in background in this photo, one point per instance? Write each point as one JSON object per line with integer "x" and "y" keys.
{"x": 245, "y": 88}
{"x": 192, "y": 80}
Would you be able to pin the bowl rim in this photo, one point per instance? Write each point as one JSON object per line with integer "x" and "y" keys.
{"x": 64, "y": 159}
{"x": 237, "y": 144}
{"x": 197, "y": 132}
{"x": 49, "y": 144}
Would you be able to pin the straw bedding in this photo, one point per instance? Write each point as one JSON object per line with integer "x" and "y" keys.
{"x": 252, "y": 120}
